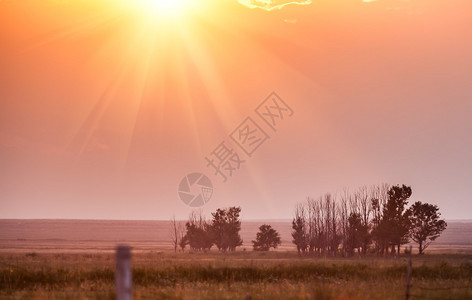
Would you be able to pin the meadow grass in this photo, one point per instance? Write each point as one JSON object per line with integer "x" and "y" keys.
{"x": 240, "y": 275}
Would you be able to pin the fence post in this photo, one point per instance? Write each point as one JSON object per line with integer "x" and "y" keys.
{"x": 123, "y": 275}
{"x": 408, "y": 279}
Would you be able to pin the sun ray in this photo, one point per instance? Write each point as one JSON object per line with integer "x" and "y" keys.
{"x": 196, "y": 134}
{"x": 143, "y": 72}
{"x": 71, "y": 31}
{"x": 212, "y": 80}
{"x": 91, "y": 123}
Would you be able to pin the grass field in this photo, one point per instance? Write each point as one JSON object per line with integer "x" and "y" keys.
{"x": 64, "y": 259}
{"x": 240, "y": 275}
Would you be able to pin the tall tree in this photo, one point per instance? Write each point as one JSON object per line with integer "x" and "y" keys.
{"x": 320, "y": 241}
{"x": 299, "y": 229}
{"x": 177, "y": 233}
{"x": 218, "y": 227}
{"x": 379, "y": 198}
{"x": 344, "y": 219}
{"x": 266, "y": 238}
{"x": 225, "y": 227}
{"x": 425, "y": 224}
{"x": 234, "y": 221}
{"x": 311, "y": 222}
{"x": 199, "y": 238}
{"x": 365, "y": 209}
{"x": 332, "y": 224}
{"x": 396, "y": 223}
{"x": 183, "y": 241}
{"x": 354, "y": 233}
{"x": 199, "y": 235}
{"x": 174, "y": 233}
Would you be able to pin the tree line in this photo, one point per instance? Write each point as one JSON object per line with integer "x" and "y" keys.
{"x": 221, "y": 231}
{"x": 374, "y": 219}
{"x": 368, "y": 220}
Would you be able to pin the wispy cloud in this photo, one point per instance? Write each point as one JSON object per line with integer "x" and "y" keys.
{"x": 272, "y": 4}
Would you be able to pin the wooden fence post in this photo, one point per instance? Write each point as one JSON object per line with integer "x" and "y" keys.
{"x": 123, "y": 275}
{"x": 408, "y": 279}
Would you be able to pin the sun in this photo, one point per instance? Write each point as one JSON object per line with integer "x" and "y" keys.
{"x": 163, "y": 8}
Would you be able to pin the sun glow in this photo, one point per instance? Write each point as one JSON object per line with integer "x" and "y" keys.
{"x": 162, "y": 8}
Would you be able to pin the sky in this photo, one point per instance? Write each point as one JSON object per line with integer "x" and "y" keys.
{"x": 106, "y": 106}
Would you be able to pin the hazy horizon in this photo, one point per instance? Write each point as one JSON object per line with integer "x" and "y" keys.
{"x": 167, "y": 220}
{"x": 145, "y": 235}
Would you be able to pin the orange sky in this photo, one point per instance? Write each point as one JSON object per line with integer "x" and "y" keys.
{"x": 105, "y": 107}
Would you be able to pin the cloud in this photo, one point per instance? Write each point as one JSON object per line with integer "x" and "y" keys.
{"x": 272, "y": 4}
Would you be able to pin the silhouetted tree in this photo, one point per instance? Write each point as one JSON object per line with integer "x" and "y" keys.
{"x": 183, "y": 242}
{"x": 365, "y": 210}
{"x": 199, "y": 234}
{"x": 234, "y": 227}
{"x": 223, "y": 230}
{"x": 218, "y": 226}
{"x": 177, "y": 233}
{"x": 316, "y": 239}
{"x": 396, "y": 223}
{"x": 266, "y": 238}
{"x": 378, "y": 231}
{"x": 174, "y": 233}
{"x": 321, "y": 225}
{"x": 425, "y": 224}
{"x": 311, "y": 222}
{"x": 299, "y": 232}
{"x": 199, "y": 238}
{"x": 354, "y": 233}
{"x": 225, "y": 227}
{"x": 330, "y": 224}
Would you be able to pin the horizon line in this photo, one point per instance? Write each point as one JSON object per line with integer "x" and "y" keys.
{"x": 166, "y": 220}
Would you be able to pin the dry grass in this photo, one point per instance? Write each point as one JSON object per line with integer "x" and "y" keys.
{"x": 273, "y": 275}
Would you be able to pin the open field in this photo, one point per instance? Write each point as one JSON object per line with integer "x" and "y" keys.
{"x": 273, "y": 275}
{"x": 58, "y": 259}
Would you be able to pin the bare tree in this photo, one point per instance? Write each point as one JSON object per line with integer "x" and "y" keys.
{"x": 356, "y": 220}
{"x": 344, "y": 218}
{"x": 365, "y": 209}
{"x": 310, "y": 202}
{"x": 299, "y": 229}
{"x": 316, "y": 230}
{"x": 335, "y": 238}
{"x": 183, "y": 241}
{"x": 174, "y": 233}
{"x": 321, "y": 226}
{"x": 197, "y": 218}
{"x": 379, "y": 198}
{"x": 327, "y": 221}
